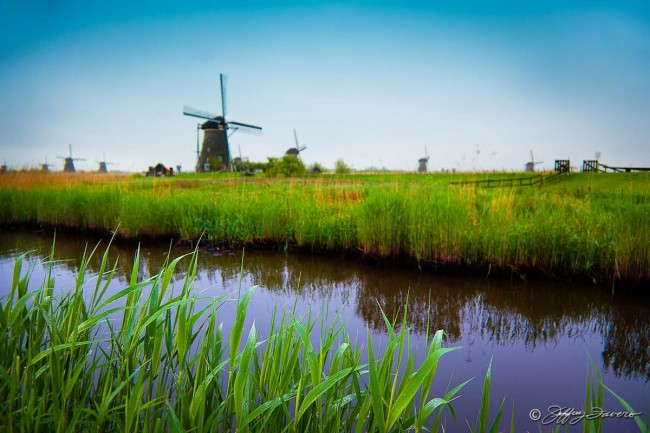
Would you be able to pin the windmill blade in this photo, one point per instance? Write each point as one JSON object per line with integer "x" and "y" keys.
{"x": 301, "y": 148}
{"x": 78, "y": 159}
{"x": 295, "y": 137}
{"x": 224, "y": 82}
{"x": 245, "y": 127}
{"x": 532, "y": 158}
{"x": 189, "y": 111}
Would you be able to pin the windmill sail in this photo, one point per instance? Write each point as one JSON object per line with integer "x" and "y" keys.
{"x": 189, "y": 111}
{"x": 245, "y": 127}
{"x": 224, "y": 82}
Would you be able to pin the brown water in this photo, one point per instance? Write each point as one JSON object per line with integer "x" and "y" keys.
{"x": 541, "y": 336}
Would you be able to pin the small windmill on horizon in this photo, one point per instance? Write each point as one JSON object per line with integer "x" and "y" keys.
{"x": 45, "y": 166}
{"x": 215, "y": 149}
{"x": 68, "y": 166}
{"x": 296, "y": 150}
{"x": 530, "y": 165}
{"x": 423, "y": 163}
{"x": 103, "y": 165}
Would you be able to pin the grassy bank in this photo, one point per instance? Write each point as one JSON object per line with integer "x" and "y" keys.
{"x": 150, "y": 359}
{"x": 587, "y": 225}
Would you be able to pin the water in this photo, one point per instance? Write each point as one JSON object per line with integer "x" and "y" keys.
{"x": 542, "y": 337}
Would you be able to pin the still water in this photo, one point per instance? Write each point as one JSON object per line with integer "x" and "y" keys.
{"x": 542, "y": 337}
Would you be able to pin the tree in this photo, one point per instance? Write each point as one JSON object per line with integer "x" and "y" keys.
{"x": 341, "y": 167}
{"x": 288, "y": 166}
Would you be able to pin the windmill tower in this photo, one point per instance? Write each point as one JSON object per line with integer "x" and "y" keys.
{"x": 215, "y": 149}
{"x": 295, "y": 151}
{"x": 103, "y": 165}
{"x": 68, "y": 166}
{"x": 423, "y": 163}
{"x": 530, "y": 166}
{"x": 45, "y": 166}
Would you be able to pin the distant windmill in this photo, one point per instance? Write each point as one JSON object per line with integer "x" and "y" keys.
{"x": 296, "y": 150}
{"x": 423, "y": 163}
{"x": 103, "y": 165}
{"x": 241, "y": 164}
{"x": 530, "y": 166}
{"x": 69, "y": 161}
{"x": 215, "y": 137}
{"x": 45, "y": 166}
{"x": 4, "y": 168}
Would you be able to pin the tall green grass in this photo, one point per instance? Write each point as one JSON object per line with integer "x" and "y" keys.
{"x": 148, "y": 358}
{"x": 153, "y": 357}
{"x": 588, "y": 226}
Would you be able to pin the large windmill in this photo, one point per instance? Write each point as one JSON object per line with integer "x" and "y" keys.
{"x": 295, "y": 151}
{"x": 216, "y": 130}
{"x": 530, "y": 166}
{"x": 423, "y": 163}
{"x": 69, "y": 161}
{"x": 103, "y": 165}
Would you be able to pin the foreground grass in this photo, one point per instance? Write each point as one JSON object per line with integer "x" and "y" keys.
{"x": 587, "y": 225}
{"x": 149, "y": 359}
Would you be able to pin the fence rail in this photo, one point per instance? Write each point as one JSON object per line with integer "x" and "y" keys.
{"x": 511, "y": 182}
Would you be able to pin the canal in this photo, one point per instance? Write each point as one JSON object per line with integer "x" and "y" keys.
{"x": 541, "y": 336}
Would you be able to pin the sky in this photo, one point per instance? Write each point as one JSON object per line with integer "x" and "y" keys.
{"x": 478, "y": 84}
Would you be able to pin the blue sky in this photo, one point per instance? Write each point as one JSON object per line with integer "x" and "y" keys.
{"x": 480, "y": 84}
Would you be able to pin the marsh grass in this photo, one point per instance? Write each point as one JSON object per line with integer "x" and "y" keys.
{"x": 591, "y": 226}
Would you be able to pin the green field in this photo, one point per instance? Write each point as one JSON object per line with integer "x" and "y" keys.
{"x": 591, "y": 225}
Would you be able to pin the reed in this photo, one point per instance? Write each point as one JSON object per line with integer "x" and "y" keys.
{"x": 147, "y": 358}
{"x": 591, "y": 226}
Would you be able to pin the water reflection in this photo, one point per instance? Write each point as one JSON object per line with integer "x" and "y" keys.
{"x": 533, "y": 316}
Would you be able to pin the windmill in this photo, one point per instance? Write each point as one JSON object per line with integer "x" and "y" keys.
{"x": 530, "y": 166}
{"x": 103, "y": 165}
{"x": 69, "y": 161}
{"x": 241, "y": 164}
{"x": 296, "y": 150}
{"x": 45, "y": 166}
{"x": 215, "y": 150}
{"x": 423, "y": 163}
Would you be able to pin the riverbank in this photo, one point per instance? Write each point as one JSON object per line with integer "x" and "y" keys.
{"x": 587, "y": 226}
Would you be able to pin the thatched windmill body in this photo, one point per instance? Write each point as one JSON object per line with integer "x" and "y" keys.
{"x": 423, "y": 163}
{"x": 45, "y": 166}
{"x": 215, "y": 149}
{"x": 103, "y": 165}
{"x": 68, "y": 165}
{"x": 295, "y": 151}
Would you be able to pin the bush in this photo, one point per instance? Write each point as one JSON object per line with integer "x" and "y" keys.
{"x": 341, "y": 167}
{"x": 288, "y": 166}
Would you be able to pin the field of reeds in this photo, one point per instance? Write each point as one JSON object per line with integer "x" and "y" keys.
{"x": 148, "y": 358}
{"x": 587, "y": 225}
